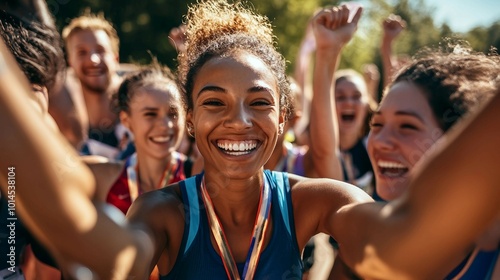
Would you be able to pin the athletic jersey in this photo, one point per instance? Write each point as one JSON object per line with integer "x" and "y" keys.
{"x": 107, "y": 137}
{"x": 479, "y": 265}
{"x": 106, "y": 143}
{"x": 119, "y": 194}
{"x": 293, "y": 162}
{"x": 359, "y": 172}
{"x": 358, "y": 169}
{"x": 198, "y": 259}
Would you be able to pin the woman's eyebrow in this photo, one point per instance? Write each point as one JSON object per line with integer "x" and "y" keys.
{"x": 260, "y": 89}
{"x": 402, "y": 113}
{"x": 410, "y": 113}
{"x": 149, "y": 109}
{"x": 211, "y": 88}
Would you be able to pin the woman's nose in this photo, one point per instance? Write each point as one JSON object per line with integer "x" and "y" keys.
{"x": 166, "y": 122}
{"x": 239, "y": 117}
{"x": 383, "y": 139}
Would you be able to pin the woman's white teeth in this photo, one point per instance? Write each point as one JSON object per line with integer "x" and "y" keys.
{"x": 392, "y": 169}
{"x": 161, "y": 139}
{"x": 237, "y": 146}
{"x": 390, "y": 164}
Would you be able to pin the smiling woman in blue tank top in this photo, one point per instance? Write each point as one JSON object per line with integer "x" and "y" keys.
{"x": 236, "y": 220}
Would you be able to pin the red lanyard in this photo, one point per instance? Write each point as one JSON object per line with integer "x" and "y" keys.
{"x": 257, "y": 240}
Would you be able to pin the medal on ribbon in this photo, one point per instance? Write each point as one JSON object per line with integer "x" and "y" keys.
{"x": 256, "y": 242}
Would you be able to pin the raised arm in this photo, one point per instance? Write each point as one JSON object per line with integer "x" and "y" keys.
{"x": 177, "y": 38}
{"x": 332, "y": 31}
{"x": 392, "y": 27}
{"x": 302, "y": 76}
{"x": 453, "y": 198}
{"x": 50, "y": 188}
{"x": 371, "y": 75}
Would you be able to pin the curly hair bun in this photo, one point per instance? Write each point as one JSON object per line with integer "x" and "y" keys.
{"x": 210, "y": 19}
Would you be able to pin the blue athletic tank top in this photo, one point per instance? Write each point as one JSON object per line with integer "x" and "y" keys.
{"x": 197, "y": 258}
{"x": 479, "y": 268}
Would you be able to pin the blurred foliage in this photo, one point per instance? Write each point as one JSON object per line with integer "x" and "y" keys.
{"x": 144, "y": 26}
{"x": 483, "y": 38}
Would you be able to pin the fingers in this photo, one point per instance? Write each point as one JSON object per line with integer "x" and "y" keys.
{"x": 394, "y": 22}
{"x": 177, "y": 38}
{"x": 320, "y": 18}
{"x": 177, "y": 33}
{"x": 357, "y": 16}
{"x": 343, "y": 16}
{"x": 182, "y": 28}
{"x": 371, "y": 71}
{"x": 335, "y": 17}
{"x": 174, "y": 32}
{"x": 397, "y": 19}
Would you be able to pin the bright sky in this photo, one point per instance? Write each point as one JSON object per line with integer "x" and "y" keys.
{"x": 463, "y": 15}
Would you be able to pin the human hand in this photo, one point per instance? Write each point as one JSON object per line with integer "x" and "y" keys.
{"x": 332, "y": 28}
{"x": 371, "y": 72}
{"x": 177, "y": 38}
{"x": 392, "y": 26}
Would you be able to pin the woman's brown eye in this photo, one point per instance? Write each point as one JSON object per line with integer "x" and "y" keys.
{"x": 212, "y": 103}
{"x": 261, "y": 103}
{"x": 409, "y": 126}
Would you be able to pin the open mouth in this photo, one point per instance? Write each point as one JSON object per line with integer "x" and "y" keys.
{"x": 237, "y": 148}
{"x": 392, "y": 169}
{"x": 161, "y": 139}
{"x": 347, "y": 117}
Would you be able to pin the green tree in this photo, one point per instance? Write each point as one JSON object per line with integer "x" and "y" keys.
{"x": 289, "y": 19}
{"x": 143, "y": 26}
{"x": 484, "y": 38}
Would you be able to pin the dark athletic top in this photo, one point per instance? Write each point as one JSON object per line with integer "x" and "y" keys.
{"x": 198, "y": 259}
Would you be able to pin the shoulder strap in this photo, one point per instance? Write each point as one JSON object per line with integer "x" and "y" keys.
{"x": 190, "y": 193}
{"x": 493, "y": 264}
{"x": 282, "y": 188}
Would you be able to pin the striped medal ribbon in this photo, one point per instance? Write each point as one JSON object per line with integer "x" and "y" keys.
{"x": 132, "y": 177}
{"x": 256, "y": 241}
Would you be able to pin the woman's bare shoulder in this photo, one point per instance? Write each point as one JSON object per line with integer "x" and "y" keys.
{"x": 323, "y": 185}
{"x": 322, "y": 195}
{"x": 162, "y": 202}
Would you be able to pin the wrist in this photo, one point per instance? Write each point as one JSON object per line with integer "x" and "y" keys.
{"x": 327, "y": 62}
{"x": 328, "y": 51}
{"x": 386, "y": 46}
{"x": 387, "y": 40}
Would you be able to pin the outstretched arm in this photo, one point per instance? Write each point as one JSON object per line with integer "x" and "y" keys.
{"x": 332, "y": 31}
{"x": 453, "y": 198}
{"x": 51, "y": 189}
